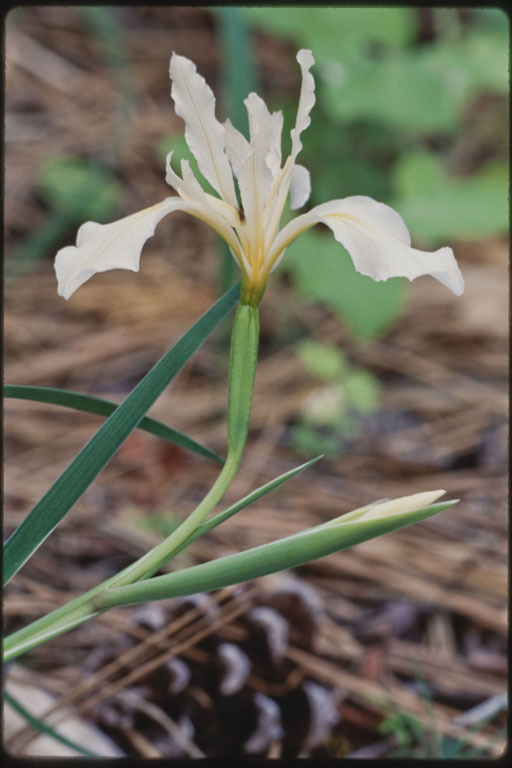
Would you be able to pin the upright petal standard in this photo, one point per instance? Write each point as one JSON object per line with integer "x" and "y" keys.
{"x": 374, "y": 235}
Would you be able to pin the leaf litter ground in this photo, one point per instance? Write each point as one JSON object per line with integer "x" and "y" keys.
{"x": 396, "y": 644}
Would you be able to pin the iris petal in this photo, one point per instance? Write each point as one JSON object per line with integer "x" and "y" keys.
{"x": 377, "y": 241}
{"x": 300, "y": 187}
{"x": 195, "y": 103}
{"x": 100, "y": 247}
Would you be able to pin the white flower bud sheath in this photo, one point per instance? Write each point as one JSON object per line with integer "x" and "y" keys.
{"x": 374, "y": 235}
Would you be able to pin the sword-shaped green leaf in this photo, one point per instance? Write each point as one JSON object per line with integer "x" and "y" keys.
{"x": 54, "y": 505}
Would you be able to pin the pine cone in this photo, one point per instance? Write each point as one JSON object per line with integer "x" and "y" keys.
{"x": 235, "y": 692}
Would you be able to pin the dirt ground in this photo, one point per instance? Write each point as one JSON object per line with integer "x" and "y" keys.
{"x": 393, "y": 644}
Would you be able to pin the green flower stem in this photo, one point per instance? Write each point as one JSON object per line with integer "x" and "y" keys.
{"x": 153, "y": 560}
{"x": 242, "y": 369}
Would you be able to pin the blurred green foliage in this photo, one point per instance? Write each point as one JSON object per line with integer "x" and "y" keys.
{"x": 438, "y": 206}
{"x": 412, "y": 111}
{"x": 80, "y": 188}
{"x": 323, "y": 272}
{"x": 420, "y": 740}
{"x": 238, "y": 66}
{"x": 107, "y": 31}
{"x": 370, "y": 65}
{"x": 334, "y": 411}
{"x": 76, "y": 191}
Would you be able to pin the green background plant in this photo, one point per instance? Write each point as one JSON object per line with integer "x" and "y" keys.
{"x": 398, "y": 118}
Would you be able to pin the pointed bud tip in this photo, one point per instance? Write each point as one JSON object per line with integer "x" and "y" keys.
{"x": 402, "y": 505}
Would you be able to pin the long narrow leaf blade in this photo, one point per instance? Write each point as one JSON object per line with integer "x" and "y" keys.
{"x": 268, "y": 558}
{"x": 102, "y": 407}
{"x": 54, "y": 505}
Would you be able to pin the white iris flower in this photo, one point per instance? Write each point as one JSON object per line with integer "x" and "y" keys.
{"x": 374, "y": 235}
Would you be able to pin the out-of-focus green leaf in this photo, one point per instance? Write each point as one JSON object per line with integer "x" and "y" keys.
{"x": 307, "y": 439}
{"x": 337, "y": 32}
{"x": 362, "y": 390}
{"x": 325, "y": 361}
{"x": 332, "y": 413}
{"x": 77, "y": 191}
{"x": 349, "y": 159}
{"x": 323, "y": 272}
{"x": 476, "y": 62}
{"x": 419, "y": 90}
{"x": 80, "y": 189}
{"x": 437, "y": 206}
{"x": 109, "y": 34}
{"x": 404, "y": 91}
{"x": 368, "y": 68}
{"x": 239, "y": 73}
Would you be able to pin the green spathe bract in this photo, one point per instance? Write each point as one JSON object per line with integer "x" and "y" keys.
{"x": 276, "y": 556}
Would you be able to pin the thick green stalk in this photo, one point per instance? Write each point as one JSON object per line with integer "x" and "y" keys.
{"x": 242, "y": 369}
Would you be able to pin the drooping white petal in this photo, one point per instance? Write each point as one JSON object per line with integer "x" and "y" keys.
{"x": 377, "y": 240}
{"x": 300, "y": 187}
{"x": 374, "y": 213}
{"x": 195, "y": 103}
{"x": 306, "y": 100}
{"x": 100, "y": 247}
